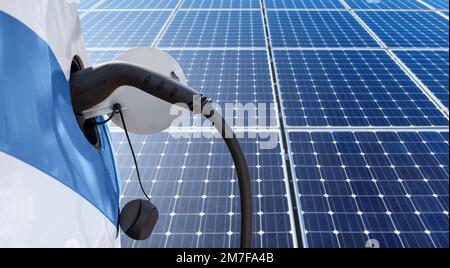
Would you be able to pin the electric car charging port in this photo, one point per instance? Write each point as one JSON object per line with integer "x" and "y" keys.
{"x": 88, "y": 127}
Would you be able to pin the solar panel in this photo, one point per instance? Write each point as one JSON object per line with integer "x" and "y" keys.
{"x": 228, "y": 77}
{"x": 385, "y": 4}
{"x": 431, "y": 67}
{"x": 215, "y": 29}
{"x": 339, "y": 92}
{"x": 99, "y": 56}
{"x": 85, "y": 4}
{"x": 350, "y": 88}
{"x": 408, "y": 29}
{"x": 220, "y": 4}
{"x": 232, "y": 76}
{"x": 317, "y": 29}
{"x": 388, "y": 186}
{"x": 310, "y": 4}
{"x": 439, "y": 4}
{"x": 193, "y": 184}
{"x": 122, "y": 28}
{"x": 138, "y": 4}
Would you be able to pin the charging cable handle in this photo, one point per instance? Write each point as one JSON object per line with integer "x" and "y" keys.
{"x": 93, "y": 85}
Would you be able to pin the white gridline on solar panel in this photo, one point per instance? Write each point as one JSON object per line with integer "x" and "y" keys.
{"x": 230, "y": 29}
{"x": 207, "y": 181}
{"x": 404, "y": 29}
{"x": 384, "y": 63}
{"x": 431, "y": 67}
{"x": 330, "y": 212}
{"x": 122, "y": 29}
{"x": 312, "y": 29}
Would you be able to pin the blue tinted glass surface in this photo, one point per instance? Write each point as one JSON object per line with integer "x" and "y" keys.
{"x": 385, "y": 4}
{"x": 137, "y": 4}
{"x": 431, "y": 67}
{"x": 220, "y": 4}
{"x": 85, "y": 4}
{"x": 122, "y": 28}
{"x": 193, "y": 184}
{"x": 388, "y": 186}
{"x": 350, "y": 88}
{"x": 317, "y": 29}
{"x": 440, "y": 4}
{"x": 232, "y": 77}
{"x": 303, "y": 4}
{"x": 408, "y": 29}
{"x": 215, "y": 29}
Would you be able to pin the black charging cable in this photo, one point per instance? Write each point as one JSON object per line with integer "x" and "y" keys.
{"x": 117, "y": 109}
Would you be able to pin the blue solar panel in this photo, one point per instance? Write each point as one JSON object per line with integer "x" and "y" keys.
{"x": 439, "y": 4}
{"x": 138, "y": 4}
{"x": 99, "y": 56}
{"x": 192, "y": 182}
{"x": 350, "y": 88}
{"x": 231, "y": 76}
{"x": 85, "y": 4}
{"x": 314, "y": 29}
{"x": 431, "y": 67}
{"x": 388, "y": 186}
{"x": 385, "y": 4}
{"x": 303, "y": 4}
{"x": 340, "y": 77}
{"x": 220, "y": 4}
{"x": 122, "y": 28}
{"x": 408, "y": 29}
{"x": 215, "y": 29}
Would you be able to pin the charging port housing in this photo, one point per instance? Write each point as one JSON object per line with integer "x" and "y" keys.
{"x": 87, "y": 127}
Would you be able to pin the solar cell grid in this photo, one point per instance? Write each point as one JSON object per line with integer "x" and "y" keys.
{"x": 192, "y": 182}
{"x": 352, "y": 186}
{"x": 312, "y": 4}
{"x": 408, "y": 29}
{"x": 232, "y": 76}
{"x": 431, "y": 67}
{"x": 99, "y": 56}
{"x": 138, "y": 4}
{"x": 350, "y": 88}
{"x": 389, "y": 186}
{"x": 206, "y": 29}
{"x": 439, "y": 4}
{"x": 122, "y": 28}
{"x": 220, "y": 4}
{"x": 85, "y": 4}
{"x": 317, "y": 29}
